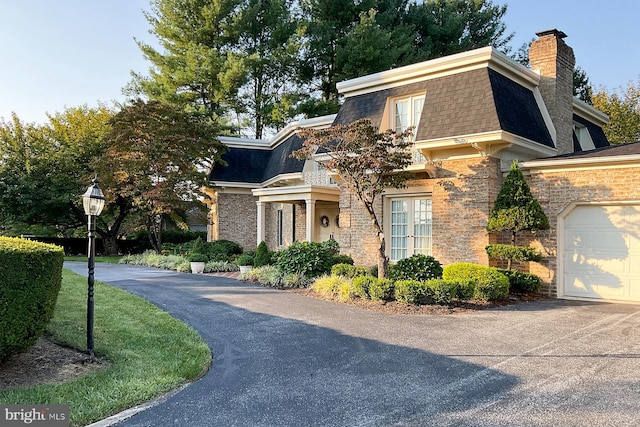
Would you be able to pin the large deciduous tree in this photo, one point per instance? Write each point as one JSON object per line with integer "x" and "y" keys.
{"x": 623, "y": 108}
{"x": 367, "y": 161}
{"x": 158, "y": 158}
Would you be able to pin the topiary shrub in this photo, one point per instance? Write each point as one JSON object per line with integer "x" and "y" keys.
{"x": 245, "y": 260}
{"x": 514, "y": 253}
{"x": 416, "y": 267}
{"x": 489, "y": 283}
{"x": 263, "y": 257}
{"x": 310, "y": 259}
{"x": 411, "y": 291}
{"x": 381, "y": 289}
{"x": 522, "y": 282}
{"x": 30, "y": 279}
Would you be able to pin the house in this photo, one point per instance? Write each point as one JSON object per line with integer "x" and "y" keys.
{"x": 473, "y": 114}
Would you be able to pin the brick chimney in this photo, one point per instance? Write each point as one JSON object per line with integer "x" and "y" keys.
{"x": 555, "y": 61}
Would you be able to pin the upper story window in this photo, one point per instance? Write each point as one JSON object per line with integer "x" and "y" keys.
{"x": 582, "y": 135}
{"x": 406, "y": 113}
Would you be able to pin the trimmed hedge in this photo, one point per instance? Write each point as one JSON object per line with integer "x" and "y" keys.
{"x": 30, "y": 279}
{"x": 488, "y": 282}
{"x": 515, "y": 253}
{"x": 348, "y": 270}
{"x": 522, "y": 282}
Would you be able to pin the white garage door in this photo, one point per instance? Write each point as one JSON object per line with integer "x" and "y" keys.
{"x": 602, "y": 253}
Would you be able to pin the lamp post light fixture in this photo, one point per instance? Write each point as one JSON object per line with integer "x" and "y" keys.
{"x": 93, "y": 202}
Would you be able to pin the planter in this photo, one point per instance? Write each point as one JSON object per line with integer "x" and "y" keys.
{"x": 245, "y": 268}
{"x": 197, "y": 267}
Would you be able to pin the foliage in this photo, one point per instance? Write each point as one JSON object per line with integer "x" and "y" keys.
{"x": 269, "y": 275}
{"x": 341, "y": 259}
{"x": 441, "y": 292}
{"x": 198, "y": 246}
{"x": 149, "y": 353}
{"x": 381, "y": 289}
{"x": 310, "y": 259}
{"x": 522, "y": 282}
{"x": 30, "y": 280}
{"x": 263, "y": 257}
{"x": 198, "y": 257}
{"x": 223, "y": 250}
{"x": 245, "y": 260}
{"x": 516, "y": 210}
{"x": 156, "y": 159}
{"x": 367, "y": 162}
{"x": 348, "y": 270}
{"x": 489, "y": 283}
{"x": 410, "y": 291}
{"x": 416, "y": 267}
{"x": 515, "y": 253}
{"x": 361, "y": 285}
{"x": 623, "y": 108}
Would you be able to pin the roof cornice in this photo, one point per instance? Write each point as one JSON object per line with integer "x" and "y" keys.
{"x": 486, "y": 57}
{"x": 630, "y": 160}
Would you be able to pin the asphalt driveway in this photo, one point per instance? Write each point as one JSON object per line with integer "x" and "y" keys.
{"x": 282, "y": 359}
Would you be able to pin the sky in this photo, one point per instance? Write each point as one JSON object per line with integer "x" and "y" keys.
{"x": 67, "y": 53}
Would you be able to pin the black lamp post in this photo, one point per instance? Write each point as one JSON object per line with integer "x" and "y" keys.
{"x": 93, "y": 202}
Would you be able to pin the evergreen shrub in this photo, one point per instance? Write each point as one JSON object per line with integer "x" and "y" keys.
{"x": 416, "y": 267}
{"x": 522, "y": 282}
{"x": 382, "y": 289}
{"x": 488, "y": 282}
{"x": 30, "y": 279}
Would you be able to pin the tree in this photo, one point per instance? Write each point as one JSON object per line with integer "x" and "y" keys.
{"x": 46, "y": 168}
{"x": 158, "y": 157}
{"x": 366, "y": 160}
{"x": 197, "y": 69}
{"x": 514, "y": 211}
{"x": 623, "y": 108}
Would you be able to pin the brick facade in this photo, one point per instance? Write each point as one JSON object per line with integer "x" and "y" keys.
{"x": 234, "y": 217}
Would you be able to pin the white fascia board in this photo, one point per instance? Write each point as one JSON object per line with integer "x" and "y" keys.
{"x": 228, "y": 184}
{"x": 496, "y": 137}
{"x": 629, "y": 160}
{"x": 435, "y": 68}
{"x": 282, "y": 177}
{"x": 233, "y": 142}
{"x": 590, "y": 113}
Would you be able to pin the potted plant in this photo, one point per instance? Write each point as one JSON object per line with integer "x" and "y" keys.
{"x": 245, "y": 262}
{"x": 198, "y": 262}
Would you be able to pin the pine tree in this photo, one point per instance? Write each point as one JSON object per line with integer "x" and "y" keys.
{"x": 515, "y": 210}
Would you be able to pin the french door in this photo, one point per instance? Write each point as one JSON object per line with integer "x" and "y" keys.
{"x": 410, "y": 222}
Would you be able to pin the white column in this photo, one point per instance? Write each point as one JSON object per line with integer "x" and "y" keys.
{"x": 261, "y": 234}
{"x": 311, "y": 215}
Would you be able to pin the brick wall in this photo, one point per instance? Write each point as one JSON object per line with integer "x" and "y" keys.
{"x": 234, "y": 217}
{"x": 462, "y": 193}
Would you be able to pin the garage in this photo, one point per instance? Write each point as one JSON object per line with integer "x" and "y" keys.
{"x": 599, "y": 248}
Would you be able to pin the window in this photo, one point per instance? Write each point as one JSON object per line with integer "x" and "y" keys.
{"x": 407, "y": 113}
{"x": 410, "y": 221}
{"x": 581, "y": 133}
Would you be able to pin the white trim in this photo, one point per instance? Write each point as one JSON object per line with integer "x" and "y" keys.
{"x": 553, "y": 165}
{"x": 589, "y": 113}
{"x": 545, "y": 115}
{"x": 298, "y": 192}
{"x": 453, "y": 64}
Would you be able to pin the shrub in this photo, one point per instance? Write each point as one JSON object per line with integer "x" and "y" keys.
{"x": 30, "y": 279}
{"x": 489, "y": 284}
{"x": 441, "y": 291}
{"x": 262, "y": 255}
{"x": 360, "y": 286}
{"x": 410, "y": 291}
{"x": 341, "y": 259}
{"x": 199, "y": 247}
{"x": 348, "y": 270}
{"x": 310, "y": 259}
{"x": 219, "y": 266}
{"x": 381, "y": 289}
{"x": 327, "y": 286}
{"x": 514, "y": 253}
{"x": 465, "y": 290}
{"x": 522, "y": 282}
{"x": 416, "y": 267}
{"x": 245, "y": 260}
{"x": 220, "y": 250}
{"x": 198, "y": 257}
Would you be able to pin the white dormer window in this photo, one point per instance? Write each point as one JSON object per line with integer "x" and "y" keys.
{"x": 583, "y": 136}
{"x": 406, "y": 112}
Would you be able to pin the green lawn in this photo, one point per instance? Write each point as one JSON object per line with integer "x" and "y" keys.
{"x": 148, "y": 352}
{"x": 109, "y": 259}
